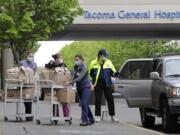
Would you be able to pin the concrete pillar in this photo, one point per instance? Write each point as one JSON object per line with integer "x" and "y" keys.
{"x": 7, "y": 61}
{"x": 1, "y": 70}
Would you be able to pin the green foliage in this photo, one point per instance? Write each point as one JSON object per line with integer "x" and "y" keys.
{"x": 23, "y": 22}
{"x": 88, "y": 49}
{"x": 118, "y": 51}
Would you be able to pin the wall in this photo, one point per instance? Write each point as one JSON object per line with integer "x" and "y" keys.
{"x": 129, "y": 11}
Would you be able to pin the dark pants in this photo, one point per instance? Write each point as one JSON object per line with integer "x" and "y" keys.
{"x": 28, "y": 107}
{"x": 86, "y": 114}
{"x": 55, "y": 110}
{"x": 28, "y": 110}
{"x": 99, "y": 89}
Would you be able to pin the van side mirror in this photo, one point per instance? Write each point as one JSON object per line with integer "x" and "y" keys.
{"x": 155, "y": 76}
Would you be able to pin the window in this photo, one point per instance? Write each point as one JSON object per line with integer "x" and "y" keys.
{"x": 172, "y": 67}
{"x": 159, "y": 69}
{"x": 124, "y": 74}
{"x": 135, "y": 70}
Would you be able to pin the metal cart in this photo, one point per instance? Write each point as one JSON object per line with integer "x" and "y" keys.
{"x": 50, "y": 86}
{"x": 14, "y": 84}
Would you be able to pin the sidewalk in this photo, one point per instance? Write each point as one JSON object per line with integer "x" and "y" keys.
{"x": 1, "y": 125}
{"x": 105, "y": 127}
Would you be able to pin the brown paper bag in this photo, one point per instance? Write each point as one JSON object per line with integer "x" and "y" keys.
{"x": 12, "y": 73}
{"x": 47, "y": 95}
{"x": 28, "y": 93}
{"x": 57, "y": 77}
{"x": 26, "y": 75}
{"x": 60, "y": 78}
{"x": 15, "y": 94}
{"x": 66, "y": 96}
{"x": 31, "y": 76}
{"x": 44, "y": 74}
{"x": 67, "y": 77}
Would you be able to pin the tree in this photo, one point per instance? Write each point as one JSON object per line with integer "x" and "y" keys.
{"x": 118, "y": 51}
{"x": 23, "y": 22}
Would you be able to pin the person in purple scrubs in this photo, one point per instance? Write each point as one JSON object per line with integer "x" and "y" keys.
{"x": 28, "y": 63}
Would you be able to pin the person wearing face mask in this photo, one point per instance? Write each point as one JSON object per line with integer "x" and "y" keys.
{"x": 29, "y": 63}
{"x": 83, "y": 85}
{"x": 101, "y": 70}
{"x": 58, "y": 62}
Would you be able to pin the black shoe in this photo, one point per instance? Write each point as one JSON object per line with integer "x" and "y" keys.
{"x": 84, "y": 124}
{"x": 29, "y": 118}
{"x": 55, "y": 122}
{"x": 91, "y": 122}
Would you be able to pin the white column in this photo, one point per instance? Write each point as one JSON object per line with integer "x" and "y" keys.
{"x": 7, "y": 61}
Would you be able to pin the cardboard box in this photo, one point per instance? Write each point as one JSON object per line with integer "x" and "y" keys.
{"x": 66, "y": 96}
{"x": 15, "y": 94}
{"x": 47, "y": 95}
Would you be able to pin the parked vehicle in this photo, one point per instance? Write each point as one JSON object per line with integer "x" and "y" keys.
{"x": 153, "y": 85}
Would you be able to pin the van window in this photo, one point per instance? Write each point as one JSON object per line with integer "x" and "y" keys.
{"x": 124, "y": 74}
{"x": 135, "y": 70}
{"x": 159, "y": 69}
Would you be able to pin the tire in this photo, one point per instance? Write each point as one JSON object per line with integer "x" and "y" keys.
{"x": 147, "y": 121}
{"x": 70, "y": 122}
{"x": 55, "y": 122}
{"x": 38, "y": 122}
{"x": 17, "y": 119}
{"x": 20, "y": 119}
{"x": 51, "y": 122}
{"x": 5, "y": 119}
{"x": 169, "y": 121}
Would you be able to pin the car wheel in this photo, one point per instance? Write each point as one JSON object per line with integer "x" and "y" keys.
{"x": 169, "y": 121}
{"x": 147, "y": 121}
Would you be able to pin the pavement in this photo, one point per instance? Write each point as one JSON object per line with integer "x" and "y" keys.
{"x": 1, "y": 124}
{"x": 129, "y": 123}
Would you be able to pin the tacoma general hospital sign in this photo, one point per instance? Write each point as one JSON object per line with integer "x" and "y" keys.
{"x": 123, "y": 14}
{"x": 126, "y": 13}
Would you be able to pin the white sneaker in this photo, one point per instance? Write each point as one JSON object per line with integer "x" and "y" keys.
{"x": 97, "y": 118}
{"x": 114, "y": 119}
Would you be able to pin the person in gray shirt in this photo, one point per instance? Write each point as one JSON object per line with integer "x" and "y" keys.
{"x": 83, "y": 85}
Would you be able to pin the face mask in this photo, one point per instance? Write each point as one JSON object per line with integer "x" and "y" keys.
{"x": 61, "y": 61}
{"x": 30, "y": 59}
{"x": 104, "y": 58}
{"x": 77, "y": 63}
{"x": 58, "y": 60}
